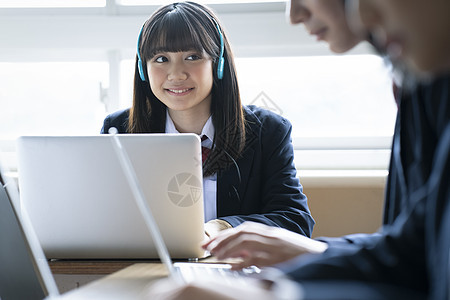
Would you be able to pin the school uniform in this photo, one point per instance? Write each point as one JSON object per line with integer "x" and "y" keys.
{"x": 263, "y": 185}
{"x": 410, "y": 259}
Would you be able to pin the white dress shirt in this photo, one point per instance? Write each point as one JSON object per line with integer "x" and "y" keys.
{"x": 210, "y": 182}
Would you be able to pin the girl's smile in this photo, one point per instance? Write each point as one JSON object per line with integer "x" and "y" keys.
{"x": 182, "y": 80}
{"x": 180, "y": 92}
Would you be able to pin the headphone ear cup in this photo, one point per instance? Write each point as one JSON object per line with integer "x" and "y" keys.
{"x": 141, "y": 70}
{"x": 221, "y": 61}
{"x": 220, "y": 68}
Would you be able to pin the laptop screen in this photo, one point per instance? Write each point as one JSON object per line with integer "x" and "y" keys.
{"x": 21, "y": 276}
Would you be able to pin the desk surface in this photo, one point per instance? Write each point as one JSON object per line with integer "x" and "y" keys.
{"x": 92, "y": 267}
{"x": 129, "y": 283}
{"x": 129, "y": 280}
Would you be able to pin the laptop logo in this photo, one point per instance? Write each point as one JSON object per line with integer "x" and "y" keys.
{"x": 184, "y": 189}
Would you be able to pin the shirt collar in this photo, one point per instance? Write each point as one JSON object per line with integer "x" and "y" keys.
{"x": 208, "y": 128}
{"x": 170, "y": 126}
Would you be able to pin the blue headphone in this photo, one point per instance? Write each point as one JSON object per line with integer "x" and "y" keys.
{"x": 140, "y": 67}
{"x": 219, "y": 64}
{"x": 221, "y": 59}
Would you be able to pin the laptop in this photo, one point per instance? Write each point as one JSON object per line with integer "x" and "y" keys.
{"x": 24, "y": 273}
{"x": 82, "y": 207}
{"x": 180, "y": 272}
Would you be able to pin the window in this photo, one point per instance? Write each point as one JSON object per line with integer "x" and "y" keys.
{"x": 322, "y": 96}
{"x": 52, "y": 98}
{"x": 62, "y": 69}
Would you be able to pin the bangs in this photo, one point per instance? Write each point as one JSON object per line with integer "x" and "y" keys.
{"x": 173, "y": 34}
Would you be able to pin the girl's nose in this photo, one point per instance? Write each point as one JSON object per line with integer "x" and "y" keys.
{"x": 177, "y": 72}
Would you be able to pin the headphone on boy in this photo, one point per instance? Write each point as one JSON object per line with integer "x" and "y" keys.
{"x": 219, "y": 64}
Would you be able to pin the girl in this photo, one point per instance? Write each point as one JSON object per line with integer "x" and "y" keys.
{"x": 185, "y": 82}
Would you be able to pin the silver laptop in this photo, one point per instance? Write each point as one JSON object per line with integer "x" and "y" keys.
{"x": 181, "y": 271}
{"x": 24, "y": 273}
{"x": 81, "y": 205}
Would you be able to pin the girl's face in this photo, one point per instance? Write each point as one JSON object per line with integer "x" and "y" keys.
{"x": 415, "y": 31}
{"x": 326, "y": 20}
{"x": 182, "y": 80}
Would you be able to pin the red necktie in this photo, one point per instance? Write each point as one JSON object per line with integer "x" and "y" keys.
{"x": 205, "y": 150}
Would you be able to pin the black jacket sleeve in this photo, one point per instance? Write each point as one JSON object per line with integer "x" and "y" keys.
{"x": 270, "y": 191}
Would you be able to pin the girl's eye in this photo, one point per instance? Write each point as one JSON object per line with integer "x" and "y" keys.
{"x": 193, "y": 57}
{"x": 160, "y": 59}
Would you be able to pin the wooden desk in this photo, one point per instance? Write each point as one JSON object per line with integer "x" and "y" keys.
{"x": 129, "y": 283}
{"x": 92, "y": 267}
{"x": 106, "y": 266}
{"x": 73, "y": 274}
{"x": 121, "y": 279}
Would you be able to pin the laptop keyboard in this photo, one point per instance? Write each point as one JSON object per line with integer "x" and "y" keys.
{"x": 210, "y": 271}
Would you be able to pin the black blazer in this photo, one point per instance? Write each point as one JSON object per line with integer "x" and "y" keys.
{"x": 264, "y": 186}
{"x": 413, "y": 253}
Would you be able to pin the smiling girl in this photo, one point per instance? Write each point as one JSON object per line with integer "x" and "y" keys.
{"x": 185, "y": 82}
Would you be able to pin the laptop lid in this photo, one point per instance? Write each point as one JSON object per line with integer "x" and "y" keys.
{"x": 81, "y": 204}
{"x": 25, "y": 273}
{"x": 179, "y": 272}
{"x": 142, "y": 203}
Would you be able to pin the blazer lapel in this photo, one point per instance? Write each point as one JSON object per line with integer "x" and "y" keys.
{"x": 232, "y": 182}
